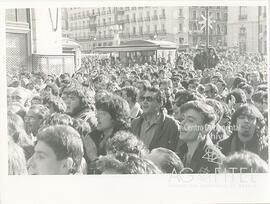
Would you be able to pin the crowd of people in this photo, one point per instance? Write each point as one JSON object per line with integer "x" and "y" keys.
{"x": 195, "y": 115}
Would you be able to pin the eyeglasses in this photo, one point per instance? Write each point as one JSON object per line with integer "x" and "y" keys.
{"x": 148, "y": 98}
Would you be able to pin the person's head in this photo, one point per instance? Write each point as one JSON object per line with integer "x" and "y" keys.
{"x": 142, "y": 85}
{"x": 57, "y": 119}
{"x": 39, "y": 78}
{"x": 221, "y": 85}
{"x": 200, "y": 89}
{"x": 100, "y": 82}
{"x": 55, "y": 104}
{"x": 21, "y": 96}
{"x": 166, "y": 160}
{"x": 197, "y": 120}
{"x": 34, "y": 118}
{"x": 247, "y": 122}
{"x": 211, "y": 90}
{"x": 122, "y": 163}
{"x": 236, "y": 98}
{"x": 152, "y": 101}
{"x": 36, "y": 100}
{"x": 113, "y": 113}
{"x": 10, "y": 91}
{"x": 130, "y": 94}
{"x": 64, "y": 80}
{"x": 260, "y": 100}
{"x": 218, "y": 108}
{"x": 166, "y": 86}
{"x": 182, "y": 97}
{"x": 16, "y": 159}
{"x": 49, "y": 90}
{"x": 248, "y": 89}
{"x": 244, "y": 162}
{"x": 77, "y": 98}
{"x": 254, "y": 78}
{"x": 237, "y": 81}
{"x": 193, "y": 84}
{"x": 59, "y": 150}
{"x": 124, "y": 141}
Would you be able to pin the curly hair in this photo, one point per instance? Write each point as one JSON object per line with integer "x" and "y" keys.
{"x": 57, "y": 119}
{"x": 124, "y": 141}
{"x": 119, "y": 110}
{"x": 58, "y": 104}
{"x": 86, "y": 96}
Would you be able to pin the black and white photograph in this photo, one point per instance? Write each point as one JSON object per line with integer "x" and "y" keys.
{"x": 110, "y": 90}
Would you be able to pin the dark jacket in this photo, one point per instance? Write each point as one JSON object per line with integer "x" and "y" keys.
{"x": 167, "y": 135}
{"x": 199, "y": 62}
{"x": 233, "y": 144}
{"x": 206, "y": 158}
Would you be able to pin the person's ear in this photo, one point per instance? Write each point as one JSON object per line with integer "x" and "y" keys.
{"x": 67, "y": 165}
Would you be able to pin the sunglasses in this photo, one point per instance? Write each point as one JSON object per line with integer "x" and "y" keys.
{"x": 147, "y": 98}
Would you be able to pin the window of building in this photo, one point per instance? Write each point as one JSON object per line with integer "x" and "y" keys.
{"x": 225, "y": 29}
{"x": 99, "y": 34}
{"x": 181, "y": 41}
{"x": 194, "y": 40}
{"x": 155, "y": 28}
{"x": 225, "y": 16}
{"x": 104, "y": 33}
{"x": 141, "y": 29}
{"x": 180, "y": 27}
{"x": 163, "y": 12}
{"x": 194, "y": 14}
{"x": 127, "y": 17}
{"x": 148, "y": 29}
{"x": 148, "y": 14}
{"x": 134, "y": 30}
{"x": 195, "y": 26}
{"x": 16, "y": 15}
{"x": 134, "y": 16}
{"x": 243, "y": 11}
{"x": 218, "y": 16}
{"x": 110, "y": 20}
{"x": 180, "y": 12}
{"x": 163, "y": 27}
{"x": 203, "y": 13}
{"x": 218, "y": 29}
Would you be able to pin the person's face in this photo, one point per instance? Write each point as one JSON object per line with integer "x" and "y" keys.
{"x": 36, "y": 101}
{"x": 149, "y": 103}
{"x": 72, "y": 101}
{"x": 191, "y": 125}
{"x": 208, "y": 93}
{"x": 166, "y": 89}
{"x": 192, "y": 87}
{"x": 18, "y": 96}
{"x": 176, "y": 83}
{"x": 246, "y": 124}
{"x": 104, "y": 120}
{"x": 32, "y": 121}
{"x": 141, "y": 88}
{"x": 44, "y": 161}
{"x": 220, "y": 87}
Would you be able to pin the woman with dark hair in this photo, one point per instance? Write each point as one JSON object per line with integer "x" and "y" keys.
{"x": 248, "y": 133}
{"x": 113, "y": 114}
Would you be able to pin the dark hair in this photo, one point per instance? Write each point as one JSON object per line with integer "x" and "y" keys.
{"x": 218, "y": 108}
{"x": 132, "y": 92}
{"x": 160, "y": 97}
{"x": 57, "y": 119}
{"x": 86, "y": 96}
{"x": 170, "y": 162}
{"x": 213, "y": 88}
{"x": 54, "y": 88}
{"x": 184, "y": 96}
{"x": 58, "y": 104}
{"x": 42, "y": 111}
{"x": 126, "y": 142}
{"x": 206, "y": 110}
{"x": 118, "y": 108}
{"x": 65, "y": 142}
{"x": 239, "y": 95}
{"x": 123, "y": 163}
{"x": 237, "y": 81}
{"x": 259, "y": 96}
{"x": 244, "y": 162}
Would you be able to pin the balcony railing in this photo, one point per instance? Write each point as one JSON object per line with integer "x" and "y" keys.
{"x": 155, "y": 17}
{"x": 242, "y": 17}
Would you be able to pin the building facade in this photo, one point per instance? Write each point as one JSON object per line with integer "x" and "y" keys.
{"x": 247, "y": 27}
{"x": 228, "y": 26}
{"x": 34, "y": 41}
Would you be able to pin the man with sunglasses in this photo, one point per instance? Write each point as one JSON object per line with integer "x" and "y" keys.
{"x": 155, "y": 128}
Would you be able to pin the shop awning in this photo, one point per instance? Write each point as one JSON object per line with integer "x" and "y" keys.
{"x": 138, "y": 45}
